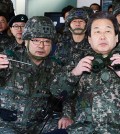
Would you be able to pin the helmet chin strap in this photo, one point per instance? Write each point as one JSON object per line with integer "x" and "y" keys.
{"x": 37, "y": 58}
{"x": 82, "y": 31}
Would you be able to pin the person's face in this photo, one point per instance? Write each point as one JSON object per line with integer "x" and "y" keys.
{"x": 110, "y": 10}
{"x": 95, "y": 8}
{"x": 17, "y": 29}
{"x": 103, "y": 38}
{"x": 40, "y": 47}
{"x": 3, "y": 24}
{"x": 78, "y": 25}
{"x": 66, "y": 14}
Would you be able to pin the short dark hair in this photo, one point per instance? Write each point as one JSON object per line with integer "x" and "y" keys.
{"x": 102, "y": 15}
{"x": 110, "y": 6}
{"x": 66, "y": 9}
{"x": 96, "y": 5}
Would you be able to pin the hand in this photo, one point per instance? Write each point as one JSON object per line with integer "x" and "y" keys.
{"x": 63, "y": 123}
{"x": 115, "y": 60}
{"x": 4, "y": 63}
{"x": 83, "y": 65}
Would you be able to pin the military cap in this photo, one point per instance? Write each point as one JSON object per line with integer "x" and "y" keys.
{"x": 18, "y": 18}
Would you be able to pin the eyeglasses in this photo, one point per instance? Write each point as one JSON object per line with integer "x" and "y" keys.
{"x": 45, "y": 43}
{"x": 16, "y": 27}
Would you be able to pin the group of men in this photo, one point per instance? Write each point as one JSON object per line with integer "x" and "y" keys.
{"x": 75, "y": 90}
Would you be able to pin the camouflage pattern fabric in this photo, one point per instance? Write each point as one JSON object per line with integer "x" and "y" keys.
{"x": 25, "y": 99}
{"x": 98, "y": 101}
{"x": 69, "y": 53}
{"x": 14, "y": 46}
{"x": 39, "y": 26}
{"x": 5, "y": 40}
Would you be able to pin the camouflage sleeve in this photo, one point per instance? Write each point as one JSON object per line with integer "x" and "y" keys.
{"x": 4, "y": 75}
{"x": 81, "y": 128}
{"x": 64, "y": 81}
{"x": 69, "y": 108}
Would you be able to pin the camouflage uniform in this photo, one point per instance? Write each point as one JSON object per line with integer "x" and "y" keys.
{"x": 10, "y": 43}
{"x": 26, "y": 104}
{"x": 98, "y": 101}
{"x": 70, "y": 52}
{"x": 22, "y": 87}
{"x": 14, "y": 46}
{"x": 5, "y": 40}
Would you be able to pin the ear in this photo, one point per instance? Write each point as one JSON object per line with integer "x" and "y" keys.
{"x": 26, "y": 42}
{"x": 89, "y": 39}
{"x": 116, "y": 38}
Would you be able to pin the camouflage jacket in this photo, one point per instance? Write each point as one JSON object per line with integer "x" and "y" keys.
{"x": 25, "y": 95}
{"x": 69, "y": 53}
{"x": 98, "y": 101}
{"x": 16, "y": 47}
{"x": 5, "y": 40}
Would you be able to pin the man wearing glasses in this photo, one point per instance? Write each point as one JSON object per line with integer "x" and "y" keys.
{"x": 16, "y": 25}
{"x": 26, "y": 102}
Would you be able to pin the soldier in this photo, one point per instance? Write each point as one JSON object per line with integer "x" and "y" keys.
{"x": 95, "y": 7}
{"x": 26, "y": 102}
{"x": 6, "y": 6}
{"x": 16, "y": 25}
{"x": 72, "y": 48}
{"x": 98, "y": 77}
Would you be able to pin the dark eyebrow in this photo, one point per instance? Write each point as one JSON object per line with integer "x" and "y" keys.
{"x": 106, "y": 26}
{"x": 95, "y": 27}
{"x": 109, "y": 27}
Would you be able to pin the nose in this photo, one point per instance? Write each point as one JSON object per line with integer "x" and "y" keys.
{"x": 102, "y": 36}
{"x": 78, "y": 22}
{"x": 20, "y": 28}
{"x": 41, "y": 44}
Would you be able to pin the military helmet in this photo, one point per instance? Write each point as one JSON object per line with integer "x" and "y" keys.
{"x": 88, "y": 10}
{"x": 116, "y": 10}
{"x": 76, "y": 13}
{"x": 39, "y": 27}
